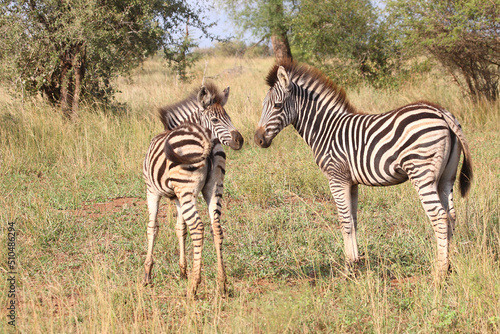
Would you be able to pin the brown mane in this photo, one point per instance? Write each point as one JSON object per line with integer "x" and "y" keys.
{"x": 217, "y": 98}
{"x": 301, "y": 72}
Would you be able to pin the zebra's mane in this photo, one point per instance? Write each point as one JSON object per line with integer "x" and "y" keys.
{"x": 308, "y": 74}
{"x": 188, "y": 105}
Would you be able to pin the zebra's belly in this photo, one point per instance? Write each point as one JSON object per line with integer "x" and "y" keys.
{"x": 379, "y": 176}
{"x": 384, "y": 183}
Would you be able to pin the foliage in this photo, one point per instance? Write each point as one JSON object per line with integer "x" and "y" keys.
{"x": 233, "y": 48}
{"x": 60, "y": 48}
{"x": 180, "y": 59}
{"x": 238, "y": 48}
{"x": 463, "y": 35}
{"x": 345, "y": 39}
{"x": 266, "y": 19}
{"x": 259, "y": 17}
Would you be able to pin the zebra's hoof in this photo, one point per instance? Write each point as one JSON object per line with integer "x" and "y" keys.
{"x": 147, "y": 280}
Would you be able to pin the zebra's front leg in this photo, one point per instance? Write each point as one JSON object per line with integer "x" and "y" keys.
{"x": 181, "y": 231}
{"x": 212, "y": 193}
{"x": 346, "y": 199}
{"x": 197, "y": 230}
{"x": 152, "y": 232}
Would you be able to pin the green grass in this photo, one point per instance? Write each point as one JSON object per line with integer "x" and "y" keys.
{"x": 80, "y": 267}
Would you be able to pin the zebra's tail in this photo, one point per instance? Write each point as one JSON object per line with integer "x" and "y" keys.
{"x": 466, "y": 174}
{"x": 188, "y": 144}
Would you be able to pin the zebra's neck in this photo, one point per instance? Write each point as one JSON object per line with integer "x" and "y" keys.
{"x": 175, "y": 117}
{"x": 319, "y": 111}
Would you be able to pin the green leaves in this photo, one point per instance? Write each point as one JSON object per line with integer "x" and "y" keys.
{"x": 462, "y": 35}
{"x": 346, "y": 39}
{"x": 51, "y": 46}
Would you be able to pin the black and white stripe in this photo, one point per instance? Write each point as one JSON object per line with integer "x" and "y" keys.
{"x": 183, "y": 161}
{"x": 421, "y": 142}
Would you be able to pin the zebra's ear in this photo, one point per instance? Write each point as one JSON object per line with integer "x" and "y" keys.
{"x": 283, "y": 78}
{"x": 204, "y": 97}
{"x": 225, "y": 97}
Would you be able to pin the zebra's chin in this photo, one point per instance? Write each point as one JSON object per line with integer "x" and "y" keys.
{"x": 260, "y": 138}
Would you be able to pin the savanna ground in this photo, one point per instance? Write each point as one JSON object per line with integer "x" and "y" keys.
{"x": 75, "y": 193}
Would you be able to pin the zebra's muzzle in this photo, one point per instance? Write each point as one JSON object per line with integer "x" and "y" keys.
{"x": 260, "y": 138}
{"x": 237, "y": 141}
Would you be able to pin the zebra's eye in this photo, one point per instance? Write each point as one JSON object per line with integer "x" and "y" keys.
{"x": 278, "y": 105}
{"x": 214, "y": 120}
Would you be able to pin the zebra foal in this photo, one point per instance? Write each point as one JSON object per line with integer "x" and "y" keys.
{"x": 184, "y": 160}
{"x": 421, "y": 142}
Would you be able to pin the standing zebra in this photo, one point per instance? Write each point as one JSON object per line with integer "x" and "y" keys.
{"x": 421, "y": 142}
{"x": 182, "y": 161}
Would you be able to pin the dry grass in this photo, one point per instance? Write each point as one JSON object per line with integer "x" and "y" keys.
{"x": 80, "y": 266}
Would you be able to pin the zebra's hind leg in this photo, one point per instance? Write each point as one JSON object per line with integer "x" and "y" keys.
{"x": 218, "y": 238}
{"x": 152, "y": 232}
{"x": 445, "y": 187}
{"x": 181, "y": 231}
{"x": 212, "y": 193}
{"x": 431, "y": 202}
{"x": 214, "y": 206}
{"x": 196, "y": 229}
{"x": 346, "y": 199}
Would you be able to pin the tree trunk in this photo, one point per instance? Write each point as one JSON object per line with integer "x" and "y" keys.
{"x": 65, "y": 84}
{"x": 281, "y": 47}
{"x": 71, "y": 77}
{"x": 279, "y": 39}
{"x": 79, "y": 69}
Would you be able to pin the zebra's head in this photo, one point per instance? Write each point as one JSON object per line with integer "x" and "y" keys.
{"x": 278, "y": 109}
{"x": 213, "y": 116}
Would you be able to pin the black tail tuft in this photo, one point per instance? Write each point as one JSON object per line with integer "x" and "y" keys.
{"x": 466, "y": 176}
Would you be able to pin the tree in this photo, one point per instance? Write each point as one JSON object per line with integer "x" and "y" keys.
{"x": 346, "y": 39}
{"x": 266, "y": 19}
{"x": 463, "y": 35}
{"x": 179, "y": 57}
{"x": 343, "y": 38}
{"x": 72, "y": 49}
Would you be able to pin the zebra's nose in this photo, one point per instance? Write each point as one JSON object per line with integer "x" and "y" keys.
{"x": 237, "y": 142}
{"x": 260, "y": 138}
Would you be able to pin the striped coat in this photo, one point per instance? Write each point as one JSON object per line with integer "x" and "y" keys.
{"x": 420, "y": 142}
{"x": 185, "y": 160}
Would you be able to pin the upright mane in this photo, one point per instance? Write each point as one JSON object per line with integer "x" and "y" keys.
{"x": 302, "y": 74}
{"x": 189, "y": 103}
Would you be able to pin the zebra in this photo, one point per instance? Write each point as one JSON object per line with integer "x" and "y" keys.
{"x": 184, "y": 160}
{"x": 421, "y": 142}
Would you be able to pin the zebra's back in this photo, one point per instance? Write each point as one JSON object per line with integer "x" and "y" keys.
{"x": 380, "y": 149}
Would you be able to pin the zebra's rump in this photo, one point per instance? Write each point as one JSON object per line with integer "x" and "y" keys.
{"x": 187, "y": 144}
{"x": 177, "y": 158}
